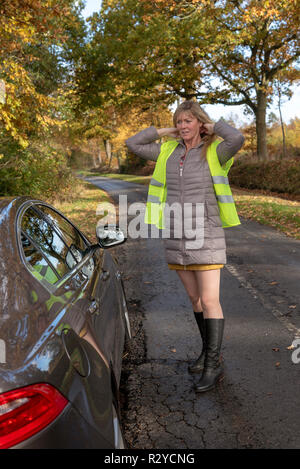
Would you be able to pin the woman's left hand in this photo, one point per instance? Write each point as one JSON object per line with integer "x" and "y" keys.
{"x": 208, "y": 128}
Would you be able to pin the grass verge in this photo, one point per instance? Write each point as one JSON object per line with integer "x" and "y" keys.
{"x": 81, "y": 208}
{"x": 284, "y": 215}
{"x": 281, "y": 214}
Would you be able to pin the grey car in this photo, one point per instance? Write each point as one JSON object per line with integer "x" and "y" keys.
{"x": 63, "y": 324}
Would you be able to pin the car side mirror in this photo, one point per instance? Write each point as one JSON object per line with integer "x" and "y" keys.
{"x": 109, "y": 235}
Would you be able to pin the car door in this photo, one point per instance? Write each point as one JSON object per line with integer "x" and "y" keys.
{"x": 107, "y": 289}
{"x": 60, "y": 258}
{"x": 98, "y": 299}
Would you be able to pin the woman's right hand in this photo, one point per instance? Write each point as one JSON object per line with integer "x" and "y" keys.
{"x": 168, "y": 132}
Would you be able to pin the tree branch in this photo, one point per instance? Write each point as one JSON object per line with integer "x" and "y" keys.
{"x": 281, "y": 66}
{"x": 234, "y": 85}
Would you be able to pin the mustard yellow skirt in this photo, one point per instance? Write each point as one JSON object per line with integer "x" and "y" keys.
{"x": 195, "y": 266}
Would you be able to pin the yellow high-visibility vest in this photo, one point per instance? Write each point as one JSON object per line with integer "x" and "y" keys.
{"x": 157, "y": 193}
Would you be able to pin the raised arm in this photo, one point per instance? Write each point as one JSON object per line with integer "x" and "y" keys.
{"x": 233, "y": 140}
{"x": 143, "y": 144}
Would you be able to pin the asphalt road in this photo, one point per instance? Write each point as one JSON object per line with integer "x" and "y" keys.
{"x": 257, "y": 404}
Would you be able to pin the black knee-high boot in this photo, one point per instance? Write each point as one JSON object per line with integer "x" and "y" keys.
{"x": 213, "y": 368}
{"x": 198, "y": 365}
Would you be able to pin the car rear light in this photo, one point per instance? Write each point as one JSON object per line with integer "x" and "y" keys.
{"x": 26, "y": 411}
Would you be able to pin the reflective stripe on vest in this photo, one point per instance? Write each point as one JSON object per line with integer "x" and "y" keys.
{"x": 220, "y": 179}
{"x": 154, "y": 182}
{"x": 157, "y": 193}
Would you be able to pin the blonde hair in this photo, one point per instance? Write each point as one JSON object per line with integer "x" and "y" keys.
{"x": 196, "y": 110}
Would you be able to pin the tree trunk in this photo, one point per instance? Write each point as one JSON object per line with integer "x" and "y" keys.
{"x": 281, "y": 123}
{"x": 118, "y": 160}
{"x": 94, "y": 161}
{"x": 108, "y": 151}
{"x": 283, "y": 138}
{"x": 99, "y": 157}
{"x": 261, "y": 126}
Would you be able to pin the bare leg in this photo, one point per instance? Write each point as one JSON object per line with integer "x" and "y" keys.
{"x": 208, "y": 282}
{"x": 190, "y": 283}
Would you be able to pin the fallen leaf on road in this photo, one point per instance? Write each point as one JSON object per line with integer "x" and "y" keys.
{"x": 173, "y": 350}
{"x": 291, "y": 347}
{"x": 273, "y": 283}
{"x": 277, "y": 364}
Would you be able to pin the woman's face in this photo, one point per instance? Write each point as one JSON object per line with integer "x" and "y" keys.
{"x": 188, "y": 126}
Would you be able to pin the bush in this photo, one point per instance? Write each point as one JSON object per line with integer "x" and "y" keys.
{"x": 132, "y": 164}
{"x": 278, "y": 176}
{"x": 35, "y": 171}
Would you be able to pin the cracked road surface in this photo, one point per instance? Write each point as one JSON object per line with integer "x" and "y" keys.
{"x": 257, "y": 403}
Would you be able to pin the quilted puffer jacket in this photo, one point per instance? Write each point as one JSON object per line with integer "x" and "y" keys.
{"x": 195, "y": 186}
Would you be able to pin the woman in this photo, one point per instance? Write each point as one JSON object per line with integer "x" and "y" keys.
{"x": 192, "y": 170}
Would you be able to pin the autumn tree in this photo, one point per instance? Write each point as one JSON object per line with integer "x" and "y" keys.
{"x": 37, "y": 42}
{"x": 228, "y": 51}
{"x": 255, "y": 42}
{"x": 32, "y": 37}
{"x": 108, "y": 126}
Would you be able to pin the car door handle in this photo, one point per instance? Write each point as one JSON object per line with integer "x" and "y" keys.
{"x": 94, "y": 307}
{"x": 104, "y": 275}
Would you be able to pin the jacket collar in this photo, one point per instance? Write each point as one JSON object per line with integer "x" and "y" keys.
{"x": 181, "y": 142}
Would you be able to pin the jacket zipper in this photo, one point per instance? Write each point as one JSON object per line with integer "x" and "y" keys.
{"x": 181, "y": 164}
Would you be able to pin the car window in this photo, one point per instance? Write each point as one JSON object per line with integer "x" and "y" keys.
{"x": 40, "y": 267}
{"x": 67, "y": 231}
{"x": 76, "y": 243}
{"x": 49, "y": 240}
{"x": 44, "y": 236}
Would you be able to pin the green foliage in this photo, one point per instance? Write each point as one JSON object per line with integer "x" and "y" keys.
{"x": 33, "y": 35}
{"x": 132, "y": 164}
{"x": 80, "y": 159}
{"x": 39, "y": 44}
{"x": 277, "y": 176}
{"x": 35, "y": 171}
